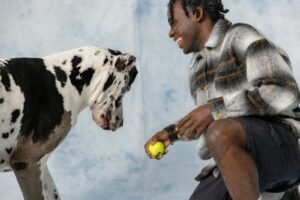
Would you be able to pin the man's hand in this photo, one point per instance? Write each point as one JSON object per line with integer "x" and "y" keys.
{"x": 194, "y": 123}
{"x": 162, "y": 136}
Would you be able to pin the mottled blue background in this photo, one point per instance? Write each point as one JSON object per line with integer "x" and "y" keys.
{"x": 91, "y": 163}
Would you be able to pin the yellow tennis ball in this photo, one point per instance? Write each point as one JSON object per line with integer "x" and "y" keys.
{"x": 156, "y": 149}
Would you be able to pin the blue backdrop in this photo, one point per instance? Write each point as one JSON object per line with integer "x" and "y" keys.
{"x": 91, "y": 163}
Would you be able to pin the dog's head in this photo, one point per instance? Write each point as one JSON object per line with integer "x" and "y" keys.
{"x": 119, "y": 73}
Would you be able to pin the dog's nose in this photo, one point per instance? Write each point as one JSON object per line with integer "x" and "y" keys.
{"x": 102, "y": 121}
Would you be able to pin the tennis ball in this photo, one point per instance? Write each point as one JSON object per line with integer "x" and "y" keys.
{"x": 156, "y": 149}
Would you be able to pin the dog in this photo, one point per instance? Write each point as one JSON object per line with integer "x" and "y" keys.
{"x": 40, "y": 99}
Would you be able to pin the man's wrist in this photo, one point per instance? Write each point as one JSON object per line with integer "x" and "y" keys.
{"x": 173, "y": 134}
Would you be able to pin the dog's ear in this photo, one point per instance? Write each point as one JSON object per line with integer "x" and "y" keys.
{"x": 132, "y": 74}
{"x": 114, "y": 52}
{"x": 125, "y": 61}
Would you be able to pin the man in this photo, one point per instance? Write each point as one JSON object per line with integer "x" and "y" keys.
{"x": 247, "y": 104}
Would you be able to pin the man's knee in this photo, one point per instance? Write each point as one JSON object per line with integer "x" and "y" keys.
{"x": 223, "y": 133}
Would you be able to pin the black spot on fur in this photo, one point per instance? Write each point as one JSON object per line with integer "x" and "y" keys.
{"x": 43, "y": 106}
{"x": 124, "y": 89}
{"x": 61, "y": 76}
{"x": 12, "y": 130}
{"x": 2, "y": 161}
{"x": 79, "y": 80}
{"x": 14, "y": 115}
{"x": 5, "y": 135}
{"x": 110, "y": 62}
{"x": 118, "y": 101}
{"x": 97, "y": 53}
{"x": 64, "y": 62}
{"x": 20, "y": 166}
{"x": 5, "y": 78}
{"x": 114, "y": 52}
{"x": 8, "y": 150}
{"x": 105, "y": 60}
{"x": 76, "y": 61}
{"x": 109, "y": 81}
{"x": 1, "y": 100}
{"x": 120, "y": 64}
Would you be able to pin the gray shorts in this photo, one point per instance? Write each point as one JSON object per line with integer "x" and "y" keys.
{"x": 275, "y": 149}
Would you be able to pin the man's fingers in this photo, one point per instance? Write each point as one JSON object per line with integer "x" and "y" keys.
{"x": 166, "y": 144}
{"x": 162, "y": 136}
{"x": 190, "y": 133}
{"x": 182, "y": 122}
{"x": 147, "y": 151}
{"x": 184, "y": 128}
{"x": 198, "y": 133}
{"x": 166, "y": 151}
{"x": 152, "y": 140}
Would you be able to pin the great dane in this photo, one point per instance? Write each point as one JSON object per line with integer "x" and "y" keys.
{"x": 40, "y": 99}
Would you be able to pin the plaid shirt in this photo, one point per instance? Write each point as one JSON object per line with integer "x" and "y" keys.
{"x": 241, "y": 73}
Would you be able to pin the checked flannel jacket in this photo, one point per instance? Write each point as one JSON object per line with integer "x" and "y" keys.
{"x": 240, "y": 72}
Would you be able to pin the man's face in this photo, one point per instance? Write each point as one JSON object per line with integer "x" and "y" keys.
{"x": 183, "y": 29}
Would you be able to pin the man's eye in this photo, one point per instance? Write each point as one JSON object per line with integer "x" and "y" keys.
{"x": 173, "y": 23}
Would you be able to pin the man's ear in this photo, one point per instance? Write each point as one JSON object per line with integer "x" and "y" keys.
{"x": 199, "y": 13}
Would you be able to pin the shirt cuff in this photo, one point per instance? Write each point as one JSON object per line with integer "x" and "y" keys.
{"x": 217, "y": 108}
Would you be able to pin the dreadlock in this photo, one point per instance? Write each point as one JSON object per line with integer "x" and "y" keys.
{"x": 214, "y": 8}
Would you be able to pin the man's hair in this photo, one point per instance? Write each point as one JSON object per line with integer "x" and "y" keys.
{"x": 214, "y": 8}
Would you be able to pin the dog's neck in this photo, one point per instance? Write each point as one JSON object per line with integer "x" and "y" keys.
{"x": 80, "y": 81}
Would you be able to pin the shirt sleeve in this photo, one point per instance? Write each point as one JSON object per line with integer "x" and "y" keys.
{"x": 272, "y": 89}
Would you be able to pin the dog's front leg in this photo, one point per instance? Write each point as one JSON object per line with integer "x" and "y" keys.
{"x": 32, "y": 173}
{"x": 28, "y": 176}
{"x": 35, "y": 181}
{"x": 29, "y": 163}
{"x": 50, "y": 191}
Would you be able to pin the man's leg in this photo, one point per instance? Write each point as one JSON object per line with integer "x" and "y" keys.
{"x": 226, "y": 141}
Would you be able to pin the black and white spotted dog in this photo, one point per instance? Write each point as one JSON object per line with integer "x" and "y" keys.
{"x": 40, "y": 99}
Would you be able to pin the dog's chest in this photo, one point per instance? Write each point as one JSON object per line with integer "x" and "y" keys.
{"x": 11, "y": 109}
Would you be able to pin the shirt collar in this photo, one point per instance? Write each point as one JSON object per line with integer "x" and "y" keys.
{"x": 218, "y": 32}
